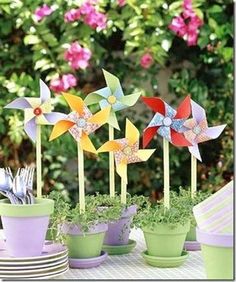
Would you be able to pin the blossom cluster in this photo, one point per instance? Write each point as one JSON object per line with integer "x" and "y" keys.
{"x": 42, "y": 12}
{"x": 187, "y": 24}
{"x": 77, "y": 56}
{"x": 63, "y": 83}
{"x": 88, "y": 13}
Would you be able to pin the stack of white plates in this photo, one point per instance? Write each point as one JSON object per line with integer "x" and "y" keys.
{"x": 52, "y": 262}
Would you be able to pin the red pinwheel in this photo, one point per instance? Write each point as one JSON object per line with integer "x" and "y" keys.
{"x": 167, "y": 122}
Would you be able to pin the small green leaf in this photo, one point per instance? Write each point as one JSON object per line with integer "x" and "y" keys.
{"x": 31, "y": 39}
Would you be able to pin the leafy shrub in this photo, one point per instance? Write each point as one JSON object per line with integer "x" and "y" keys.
{"x": 31, "y": 48}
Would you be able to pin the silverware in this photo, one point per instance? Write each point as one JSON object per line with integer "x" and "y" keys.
{"x": 17, "y": 189}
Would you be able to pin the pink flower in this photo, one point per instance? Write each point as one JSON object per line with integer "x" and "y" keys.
{"x": 187, "y": 24}
{"x": 146, "y": 60}
{"x": 121, "y": 3}
{"x": 87, "y": 8}
{"x": 42, "y": 12}
{"x": 63, "y": 83}
{"x": 95, "y": 20}
{"x": 77, "y": 56}
{"x": 72, "y": 15}
{"x": 89, "y": 14}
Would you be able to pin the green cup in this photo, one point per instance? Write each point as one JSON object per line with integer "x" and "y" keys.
{"x": 165, "y": 240}
{"x": 217, "y": 252}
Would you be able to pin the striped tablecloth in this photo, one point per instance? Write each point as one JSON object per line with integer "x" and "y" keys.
{"x": 133, "y": 266}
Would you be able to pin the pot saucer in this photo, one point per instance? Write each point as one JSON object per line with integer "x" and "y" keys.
{"x": 87, "y": 262}
{"x": 192, "y": 246}
{"x": 165, "y": 262}
{"x": 119, "y": 249}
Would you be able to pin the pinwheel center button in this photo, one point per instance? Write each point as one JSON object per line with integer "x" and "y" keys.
{"x": 127, "y": 151}
{"x": 37, "y": 111}
{"x": 81, "y": 122}
{"x": 167, "y": 121}
{"x": 197, "y": 130}
{"x": 111, "y": 99}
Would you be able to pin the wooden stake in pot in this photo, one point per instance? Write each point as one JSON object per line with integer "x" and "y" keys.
{"x": 80, "y": 123}
{"x": 112, "y": 95}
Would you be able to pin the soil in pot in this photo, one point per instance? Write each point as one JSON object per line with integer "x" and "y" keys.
{"x": 84, "y": 244}
{"x": 25, "y": 226}
{"x": 165, "y": 240}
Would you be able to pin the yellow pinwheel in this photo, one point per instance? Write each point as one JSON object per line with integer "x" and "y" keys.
{"x": 126, "y": 150}
{"x": 80, "y": 122}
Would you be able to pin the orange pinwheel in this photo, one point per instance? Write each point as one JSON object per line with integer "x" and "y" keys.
{"x": 126, "y": 150}
{"x": 80, "y": 122}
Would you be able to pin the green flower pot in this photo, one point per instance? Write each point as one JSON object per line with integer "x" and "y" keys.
{"x": 84, "y": 245}
{"x": 165, "y": 240}
{"x": 217, "y": 252}
{"x": 191, "y": 235}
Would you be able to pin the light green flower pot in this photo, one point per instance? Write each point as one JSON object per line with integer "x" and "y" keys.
{"x": 84, "y": 245}
{"x": 165, "y": 240}
{"x": 191, "y": 235}
{"x": 217, "y": 252}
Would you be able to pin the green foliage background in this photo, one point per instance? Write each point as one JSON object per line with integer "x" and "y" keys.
{"x": 29, "y": 50}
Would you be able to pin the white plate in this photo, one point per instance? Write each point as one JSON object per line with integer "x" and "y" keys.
{"x": 52, "y": 275}
{"x": 36, "y": 266}
{"x": 50, "y": 250}
{"x": 36, "y": 262}
{"x": 34, "y": 271}
{"x": 37, "y": 276}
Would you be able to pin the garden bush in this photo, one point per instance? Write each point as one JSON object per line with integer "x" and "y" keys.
{"x": 67, "y": 43}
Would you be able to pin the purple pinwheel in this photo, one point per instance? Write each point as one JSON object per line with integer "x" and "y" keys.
{"x": 197, "y": 130}
{"x": 38, "y": 111}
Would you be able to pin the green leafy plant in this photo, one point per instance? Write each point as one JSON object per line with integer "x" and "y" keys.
{"x": 191, "y": 202}
{"x": 178, "y": 213}
{"x": 99, "y": 209}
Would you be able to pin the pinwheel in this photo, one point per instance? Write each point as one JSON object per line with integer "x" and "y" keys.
{"x": 112, "y": 95}
{"x": 197, "y": 131}
{"x": 168, "y": 123}
{"x": 126, "y": 151}
{"x": 80, "y": 123}
{"x": 37, "y": 111}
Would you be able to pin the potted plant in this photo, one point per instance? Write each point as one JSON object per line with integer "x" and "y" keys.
{"x": 83, "y": 233}
{"x": 117, "y": 240}
{"x": 165, "y": 230}
{"x": 191, "y": 243}
{"x": 24, "y": 219}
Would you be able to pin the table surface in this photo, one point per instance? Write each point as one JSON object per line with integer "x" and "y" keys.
{"x": 133, "y": 266}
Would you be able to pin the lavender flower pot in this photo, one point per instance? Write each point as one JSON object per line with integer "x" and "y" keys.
{"x": 25, "y": 226}
{"x": 118, "y": 232}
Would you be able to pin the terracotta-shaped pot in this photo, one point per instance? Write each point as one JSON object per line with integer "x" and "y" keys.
{"x": 25, "y": 226}
{"x": 165, "y": 240}
{"x": 118, "y": 231}
{"x": 81, "y": 244}
{"x": 218, "y": 254}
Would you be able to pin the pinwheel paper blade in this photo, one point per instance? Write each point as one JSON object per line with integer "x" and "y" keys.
{"x": 112, "y": 95}
{"x": 37, "y": 111}
{"x": 80, "y": 122}
{"x": 167, "y": 122}
{"x": 126, "y": 150}
{"x": 197, "y": 130}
